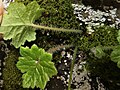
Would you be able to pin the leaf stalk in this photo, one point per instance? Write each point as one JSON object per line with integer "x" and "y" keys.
{"x": 71, "y": 68}
{"x": 56, "y": 29}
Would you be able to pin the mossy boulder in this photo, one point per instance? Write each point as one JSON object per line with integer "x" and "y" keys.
{"x": 58, "y": 13}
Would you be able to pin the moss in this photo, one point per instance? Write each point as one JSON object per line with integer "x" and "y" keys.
{"x": 11, "y": 75}
{"x": 104, "y": 67}
{"x": 59, "y": 13}
{"x": 104, "y": 35}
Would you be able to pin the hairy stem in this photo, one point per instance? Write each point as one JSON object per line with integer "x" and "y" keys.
{"x": 109, "y": 47}
{"x": 56, "y": 29}
{"x": 71, "y": 68}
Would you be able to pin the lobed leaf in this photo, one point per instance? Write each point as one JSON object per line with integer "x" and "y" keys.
{"x": 98, "y": 52}
{"x": 115, "y": 55}
{"x": 36, "y": 65}
{"x": 17, "y": 23}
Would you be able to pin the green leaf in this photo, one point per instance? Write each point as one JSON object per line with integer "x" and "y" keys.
{"x": 17, "y": 24}
{"x": 115, "y": 55}
{"x": 36, "y": 65}
{"x": 98, "y": 52}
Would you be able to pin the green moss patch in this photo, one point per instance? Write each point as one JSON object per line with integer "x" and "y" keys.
{"x": 11, "y": 75}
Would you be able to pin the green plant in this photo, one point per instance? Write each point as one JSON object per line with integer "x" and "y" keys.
{"x": 11, "y": 74}
{"x": 36, "y": 66}
{"x": 18, "y": 23}
{"x": 19, "y": 26}
{"x": 115, "y": 55}
{"x": 71, "y": 68}
{"x": 99, "y": 51}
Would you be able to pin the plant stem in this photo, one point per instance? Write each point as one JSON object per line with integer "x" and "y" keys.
{"x": 109, "y": 47}
{"x": 71, "y": 68}
{"x": 55, "y": 29}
